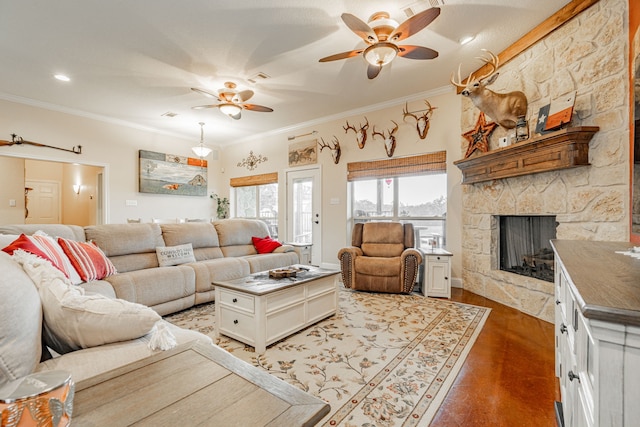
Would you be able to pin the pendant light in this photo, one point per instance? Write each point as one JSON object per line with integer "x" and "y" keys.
{"x": 200, "y": 150}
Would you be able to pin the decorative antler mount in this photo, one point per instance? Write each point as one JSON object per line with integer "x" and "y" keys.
{"x": 389, "y": 139}
{"x": 422, "y": 121}
{"x": 361, "y": 133}
{"x": 335, "y": 150}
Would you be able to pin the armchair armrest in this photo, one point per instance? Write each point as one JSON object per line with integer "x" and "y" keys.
{"x": 411, "y": 259}
{"x": 347, "y": 257}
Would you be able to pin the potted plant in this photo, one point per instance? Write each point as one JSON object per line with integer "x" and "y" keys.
{"x": 222, "y": 209}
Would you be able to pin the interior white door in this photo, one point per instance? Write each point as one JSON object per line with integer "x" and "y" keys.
{"x": 43, "y": 202}
{"x": 304, "y": 202}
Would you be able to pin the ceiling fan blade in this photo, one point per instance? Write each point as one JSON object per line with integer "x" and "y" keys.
{"x": 361, "y": 28}
{"x": 259, "y": 108}
{"x": 414, "y": 24}
{"x": 243, "y": 96}
{"x": 205, "y": 93}
{"x": 373, "y": 71}
{"x": 6, "y": 142}
{"x": 416, "y": 52}
{"x": 343, "y": 55}
{"x": 202, "y": 107}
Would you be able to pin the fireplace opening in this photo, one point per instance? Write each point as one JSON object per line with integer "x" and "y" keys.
{"x": 525, "y": 246}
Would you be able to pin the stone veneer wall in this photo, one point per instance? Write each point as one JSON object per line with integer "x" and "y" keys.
{"x": 588, "y": 54}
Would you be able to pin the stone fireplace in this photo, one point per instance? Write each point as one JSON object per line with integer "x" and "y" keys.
{"x": 589, "y": 202}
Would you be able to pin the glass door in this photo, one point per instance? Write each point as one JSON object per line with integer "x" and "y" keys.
{"x": 303, "y": 210}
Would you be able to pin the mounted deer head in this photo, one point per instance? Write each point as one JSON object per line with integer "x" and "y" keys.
{"x": 361, "y": 134}
{"x": 504, "y": 108}
{"x": 389, "y": 140}
{"x": 335, "y": 149}
{"x": 422, "y": 121}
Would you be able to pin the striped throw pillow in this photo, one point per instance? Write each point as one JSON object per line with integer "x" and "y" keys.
{"x": 47, "y": 248}
{"x": 88, "y": 259}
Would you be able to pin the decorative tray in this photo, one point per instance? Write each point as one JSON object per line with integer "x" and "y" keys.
{"x": 284, "y": 272}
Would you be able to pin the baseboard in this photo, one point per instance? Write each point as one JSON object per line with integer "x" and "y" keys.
{"x": 456, "y": 282}
{"x": 330, "y": 266}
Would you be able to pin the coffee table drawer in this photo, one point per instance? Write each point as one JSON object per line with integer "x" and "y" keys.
{"x": 237, "y": 300}
{"x": 238, "y": 325}
{"x": 320, "y": 286}
{"x": 285, "y": 298}
{"x": 321, "y": 307}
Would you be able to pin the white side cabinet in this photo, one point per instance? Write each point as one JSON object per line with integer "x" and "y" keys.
{"x": 304, "y": 252}
{"x": 597, "y": 344}
{"x": 436, "y": 280}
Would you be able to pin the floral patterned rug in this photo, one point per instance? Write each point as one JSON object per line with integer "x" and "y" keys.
{"x": 382, "y": 360}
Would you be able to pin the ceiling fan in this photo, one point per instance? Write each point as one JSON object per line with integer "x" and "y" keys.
{"x": 381, "y": 33}
{"x": 232, "y": 101}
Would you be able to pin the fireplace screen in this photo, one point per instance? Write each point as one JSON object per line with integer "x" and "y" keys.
{"x": 525, "y": 247}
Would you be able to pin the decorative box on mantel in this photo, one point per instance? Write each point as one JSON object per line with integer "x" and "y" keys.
{"x": 566, "y": 148}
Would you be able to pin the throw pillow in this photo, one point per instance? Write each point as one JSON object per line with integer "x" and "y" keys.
{"x": 174, "y": 255}
{"x": 46, "y": 248}
{"x": 83, "y": 321}
{"x": 88, "y": 260}
{"x": 265, "y": 245}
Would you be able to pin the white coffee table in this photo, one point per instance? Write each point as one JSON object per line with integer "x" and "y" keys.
{"x": 259, "y": 311}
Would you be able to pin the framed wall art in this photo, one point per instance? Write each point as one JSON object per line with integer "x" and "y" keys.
{"x": 303, "y": 153}
{"x": 162, "y": 173}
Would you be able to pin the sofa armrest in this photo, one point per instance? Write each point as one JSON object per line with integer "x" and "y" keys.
{"x": 411, "y": 259}
{"x": 347, "y": 257}
{"x": 284, "y": 248}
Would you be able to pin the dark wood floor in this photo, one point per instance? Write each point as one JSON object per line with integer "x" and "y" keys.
{"x": 508, "y": 378}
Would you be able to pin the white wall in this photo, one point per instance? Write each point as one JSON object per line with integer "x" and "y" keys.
{"x": 444, "y": 134}
{"x": 111, "y": 145}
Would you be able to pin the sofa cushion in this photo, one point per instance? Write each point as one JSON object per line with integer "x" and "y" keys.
{"x": 263, "y": 262}
{"x": 73, "y": 232}
{"x": 239, "y": 231}
{"x": 175, "y": 255}
{"x": 21, "y": 320}
{"x": 125, "y": 239}
{"x": 77, "y": 320}
{"x": 378, "y": 266}
{"x": 87, "y": 259}
{"x": 382, "y": 239}
{"x": 202, "y": 236}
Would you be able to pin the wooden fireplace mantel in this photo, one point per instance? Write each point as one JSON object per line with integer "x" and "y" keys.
{"x": 566, "y": 148}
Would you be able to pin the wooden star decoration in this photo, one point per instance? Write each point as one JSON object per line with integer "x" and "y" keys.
{"x": 478, "y": 137}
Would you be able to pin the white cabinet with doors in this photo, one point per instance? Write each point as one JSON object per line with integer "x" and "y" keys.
{"x": 436, "y": 278}
{"x": 597, "y": 334}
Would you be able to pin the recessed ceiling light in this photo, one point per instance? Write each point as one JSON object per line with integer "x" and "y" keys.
{"x": 62, "y": 77}
{"x": 466, "y": 39}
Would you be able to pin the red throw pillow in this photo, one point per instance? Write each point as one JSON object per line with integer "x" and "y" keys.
{"x": 266, "y": 245}
{"x": 88, "y": 260}
{"x": 47, "y": 248}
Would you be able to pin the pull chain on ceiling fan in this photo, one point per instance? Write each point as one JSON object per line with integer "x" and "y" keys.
{"x": 232, "y": 101}
{"x": 381, "y": 34}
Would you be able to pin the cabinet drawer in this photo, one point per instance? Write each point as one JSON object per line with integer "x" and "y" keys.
{"x": 237, "y": 324}
{"x": 285, "y": 298}
{"x": 239, "y": 301}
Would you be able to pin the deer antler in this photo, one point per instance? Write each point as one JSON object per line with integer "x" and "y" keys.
{"x": 348, "y": 126}
{"x": 406, "y": 113}
{"x": 374, "y": 133}
{"x": 335, "y": 150}
{"x": 492, "y": 61}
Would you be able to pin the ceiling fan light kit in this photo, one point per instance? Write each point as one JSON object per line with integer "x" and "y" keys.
{"x": 381, "y": 34}
{"x": 232, "y": 101}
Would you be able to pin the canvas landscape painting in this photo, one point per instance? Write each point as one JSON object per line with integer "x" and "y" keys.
{"x": 162, "y": 173}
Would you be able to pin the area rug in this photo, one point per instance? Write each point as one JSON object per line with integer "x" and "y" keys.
{"x": 382, "y": 360}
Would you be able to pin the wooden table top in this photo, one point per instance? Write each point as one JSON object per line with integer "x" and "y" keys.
{"x": 607, "y": 283}
{"x": 193, "y": 384}
{"x": 260, "y": 283}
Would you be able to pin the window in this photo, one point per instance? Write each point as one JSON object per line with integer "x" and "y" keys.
{"x": 257, "y": 197}
{"x": 412, "y": 189}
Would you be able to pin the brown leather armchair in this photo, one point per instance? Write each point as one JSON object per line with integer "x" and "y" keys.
{"x": 381, "y": 258}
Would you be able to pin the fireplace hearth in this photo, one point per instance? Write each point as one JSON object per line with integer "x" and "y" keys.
{"x": 524, "y": 245}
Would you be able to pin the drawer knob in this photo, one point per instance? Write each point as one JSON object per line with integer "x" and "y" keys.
{"x": 573, "y": 376}
{"x": 446, "y": 278}
{"x": 563, "y": 328}
{"x": 437, "y": 257}
{"x": 235, "y": 300}
{"x": 235, "y": 322}
{"x": 557, "y": 302}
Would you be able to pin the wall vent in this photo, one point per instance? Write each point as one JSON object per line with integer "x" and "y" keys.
{"x": 258, "y": 77}
{"x": 418, "y": 6}
{"x": 169, "y": 114}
